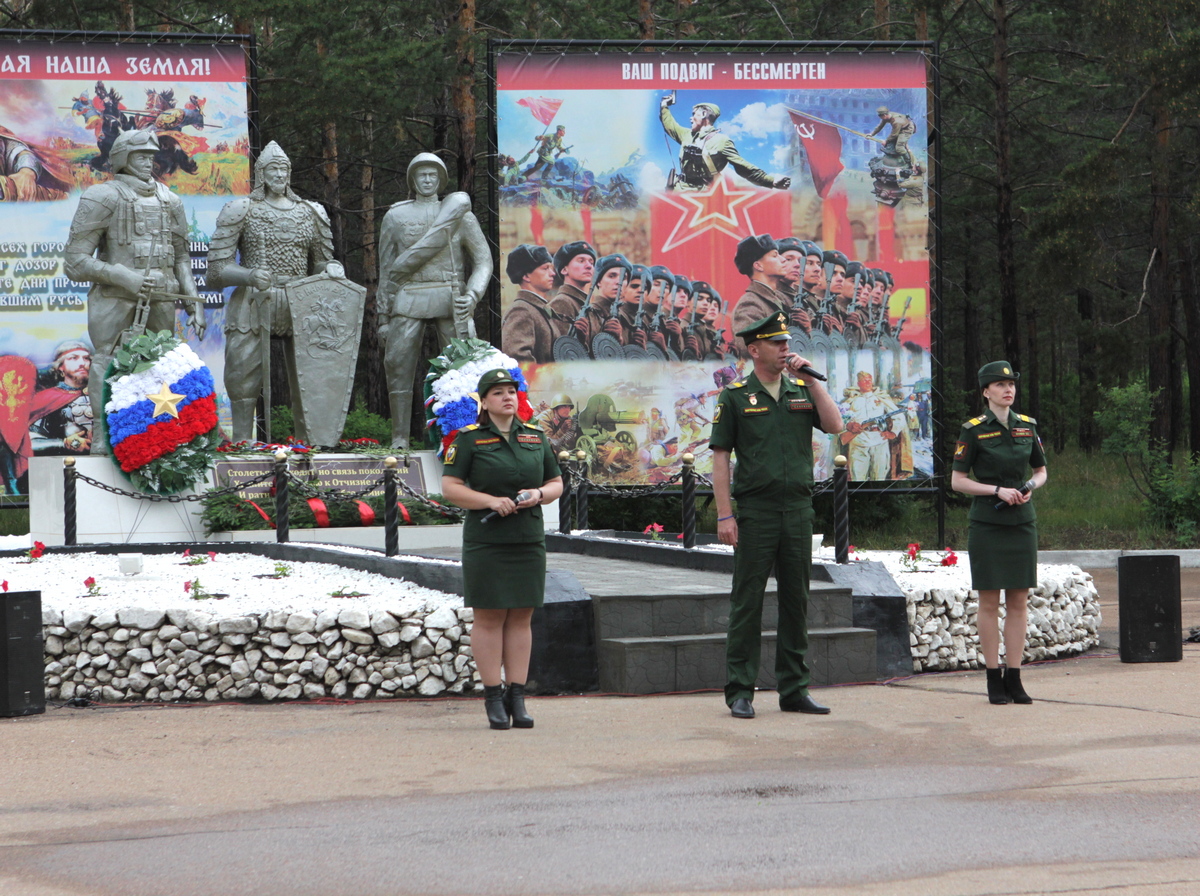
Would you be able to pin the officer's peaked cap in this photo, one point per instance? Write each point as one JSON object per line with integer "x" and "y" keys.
{"x": 995, "y": 371}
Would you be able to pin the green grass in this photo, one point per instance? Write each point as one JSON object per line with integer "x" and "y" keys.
{"x": 14, "y": 521}
{"x": 1088, "y": 502}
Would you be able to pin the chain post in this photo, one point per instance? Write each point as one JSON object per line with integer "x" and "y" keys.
{"x": 282, "y": 498}
{"x": 564, "y": 502}
{"x": 69, "y": 509}
{"x": 581, "y": 495}
{"x": 841, "y": 510}
{"x": 689, "y": 500}
{"x": 391, "y": 518}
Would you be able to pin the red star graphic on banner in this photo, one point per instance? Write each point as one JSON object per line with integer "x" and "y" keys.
{"x": 723, "y": 207}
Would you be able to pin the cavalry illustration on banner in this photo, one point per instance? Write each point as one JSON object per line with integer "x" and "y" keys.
{"x": 63, "y": 108}
{"x": 643, "y": 221}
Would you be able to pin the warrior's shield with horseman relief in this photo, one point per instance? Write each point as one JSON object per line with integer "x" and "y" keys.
{"x": 327, "y": 315}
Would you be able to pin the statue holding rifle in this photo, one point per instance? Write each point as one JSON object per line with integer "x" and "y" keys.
{"x": 434, "y": 265}
{"x": 129, "y": 240}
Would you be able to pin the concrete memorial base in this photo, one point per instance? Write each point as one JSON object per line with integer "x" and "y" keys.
{"x": 106, "y": 518}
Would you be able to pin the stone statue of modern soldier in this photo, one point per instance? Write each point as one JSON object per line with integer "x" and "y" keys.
{"x": 281, "y": 239}
{"x": 129, "y": 240}
{"x": 434, "y": 265}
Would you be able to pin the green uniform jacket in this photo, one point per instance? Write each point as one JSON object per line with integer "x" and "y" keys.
{"x": 488, "y": 462}
{"x": 772, "y": 442}
{"x": 999, "y": 455}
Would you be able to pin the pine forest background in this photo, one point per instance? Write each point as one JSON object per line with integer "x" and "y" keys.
{"x": 1068, "y": 158}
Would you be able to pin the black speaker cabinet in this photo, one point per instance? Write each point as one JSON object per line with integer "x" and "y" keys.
{"x": 1150, "y": 615}
{"x": 22, "y": 661}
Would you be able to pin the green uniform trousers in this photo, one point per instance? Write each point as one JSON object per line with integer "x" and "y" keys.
{"x": 769, "y": 539}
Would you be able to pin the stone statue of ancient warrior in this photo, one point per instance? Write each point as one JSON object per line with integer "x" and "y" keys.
{"x": 281, "y": 239}
{"x": 129, "y": 240}
{"x": 434, "y": 266}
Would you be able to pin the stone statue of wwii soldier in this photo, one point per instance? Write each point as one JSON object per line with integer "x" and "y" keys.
{"x": 434, "y": 265}
{"x": 129, "y": 240}
{"x": 281, "y": 239}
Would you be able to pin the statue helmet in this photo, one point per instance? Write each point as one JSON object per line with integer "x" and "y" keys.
{"x": 882, "y": 110}
{"x": 131, "y": 141}
{"x": 272, "y": 154}
{"x": 428, "y": 158}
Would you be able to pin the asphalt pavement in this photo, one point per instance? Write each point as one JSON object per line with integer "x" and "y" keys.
{"x": 917, "y": 786}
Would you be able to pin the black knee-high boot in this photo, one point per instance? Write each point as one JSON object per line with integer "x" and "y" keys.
{"x": 1013, "y": 687}
{"x": 514, "y": 702}
{"x": 996, "y": 691}
{"x": 493, "y": 703}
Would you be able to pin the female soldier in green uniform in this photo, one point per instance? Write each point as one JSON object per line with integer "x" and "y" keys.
{"x": 999, "y": 446}
{"x": 504, "y": 541}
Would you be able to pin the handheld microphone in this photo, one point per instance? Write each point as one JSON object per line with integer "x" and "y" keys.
{"x": 808, "y": 371}
{"x": 1025, "y": 489}
{"x": 523, "y": 496}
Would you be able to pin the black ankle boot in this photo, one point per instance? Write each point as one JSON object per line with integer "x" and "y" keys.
{"x": 996, "y": 691}
{"x": 1012, "y": 686}
{"x": 493, "y": 703}
{"x": 514, "y": 702}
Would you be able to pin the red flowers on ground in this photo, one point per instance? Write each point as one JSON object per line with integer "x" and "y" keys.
{"x": 951, "y": 558}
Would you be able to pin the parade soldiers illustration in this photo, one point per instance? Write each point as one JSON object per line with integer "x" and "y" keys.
{"x": 129, "y": 240}
{"x": 705, "y": 151}
{"x": 434, "y": 265}
{"x": 280, "y": 238}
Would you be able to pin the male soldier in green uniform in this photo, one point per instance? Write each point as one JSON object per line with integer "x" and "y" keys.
{"x": 758, "y": 258}
{"x": 903, "y": 127}
{"x": 705, "y": 151}
{"x": 548, "y": 149}
{"x": 527, "y": 333}
{"x": 767, "y": 419}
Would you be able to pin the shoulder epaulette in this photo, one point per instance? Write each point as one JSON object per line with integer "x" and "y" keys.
{"x": 974, "y": 421}
{"x": 738, "y": 385}
{"x": 530, "y": 425}
{"x": 468, "y": 427}
{"x": 1025, "y": 419}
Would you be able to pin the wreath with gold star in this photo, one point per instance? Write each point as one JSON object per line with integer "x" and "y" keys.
{"x": 160, "y": 406}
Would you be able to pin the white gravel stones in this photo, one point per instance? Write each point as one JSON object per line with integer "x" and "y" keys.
{"x": 142, "y": 639}
{"x": 1064, "y": 613}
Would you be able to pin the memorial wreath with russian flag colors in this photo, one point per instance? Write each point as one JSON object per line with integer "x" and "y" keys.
{"x": 451, "y": 400}
{"x": 160, "y": 406}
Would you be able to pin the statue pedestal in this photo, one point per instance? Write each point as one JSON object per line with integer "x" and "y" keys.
{"x": 102, "y": 517}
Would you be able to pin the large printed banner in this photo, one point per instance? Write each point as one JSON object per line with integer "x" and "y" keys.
{"x": 62, "y": 105}
{"x": 640, "y": 174}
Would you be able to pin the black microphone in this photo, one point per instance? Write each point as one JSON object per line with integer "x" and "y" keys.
{"x": 523, "y": 496}
{"x": 1025, "y": 489}
{"x": 808, "y": 371}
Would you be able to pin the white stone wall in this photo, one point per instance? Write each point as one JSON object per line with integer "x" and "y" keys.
{"x": 1064, "y": 618}
{"x": 191, "y": 655}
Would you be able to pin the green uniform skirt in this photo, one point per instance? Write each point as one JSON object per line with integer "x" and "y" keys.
{"x": 1002, "y": 557}
{"x": 504, "y": 576}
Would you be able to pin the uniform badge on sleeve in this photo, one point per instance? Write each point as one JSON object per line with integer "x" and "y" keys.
{"x": 960, "y": 450}
{"x": 717, "y": 415}
{"x": 451, "y": 453}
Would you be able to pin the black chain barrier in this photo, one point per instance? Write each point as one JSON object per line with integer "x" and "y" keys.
{"x": 283, "y": 480}
{"x": 578, "y": 486}
{"x": 841, "y": 510}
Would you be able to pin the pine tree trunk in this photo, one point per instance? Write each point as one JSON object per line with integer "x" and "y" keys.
{"x": 464, "y": 95}
{"x": 1191, "y": 316}
{"x": 1158, "y": 283}
{"x": 370, "y": 356}
{"x": 1089, "y": 375}
{"x": 1004, "y": 219}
